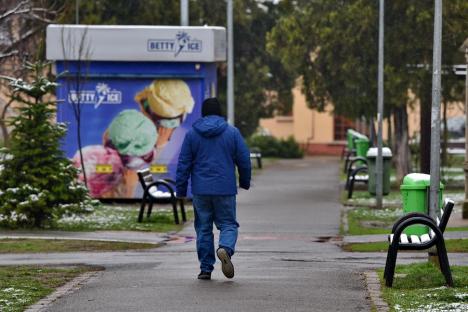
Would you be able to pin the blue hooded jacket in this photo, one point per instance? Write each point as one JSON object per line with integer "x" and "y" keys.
{"x": 209, "y": 154}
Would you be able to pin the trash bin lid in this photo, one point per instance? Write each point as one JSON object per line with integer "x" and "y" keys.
{"x": 372, "y": 152}
{"x": 361, "y": 140}
{"x": 417, "y": 181}
{"x": 352, "y": 132}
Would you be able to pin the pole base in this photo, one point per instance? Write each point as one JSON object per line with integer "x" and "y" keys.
{"x": 465, "y": 209}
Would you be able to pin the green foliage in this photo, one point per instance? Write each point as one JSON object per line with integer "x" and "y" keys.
{"x": 34, "y": 245}
{"x": 38, "y": 184}
{"x": 272, "y": 147}
{"x": 23, "y": 286}
{"x": 421, "y": 287}
{"x": 332, "y": 45}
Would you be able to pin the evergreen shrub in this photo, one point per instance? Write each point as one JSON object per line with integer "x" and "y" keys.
{"x": 38, "y": 183}
{"x": 273, "y": 147}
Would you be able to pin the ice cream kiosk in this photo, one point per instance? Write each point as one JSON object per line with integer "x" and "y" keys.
{"x": 136, "y": 90}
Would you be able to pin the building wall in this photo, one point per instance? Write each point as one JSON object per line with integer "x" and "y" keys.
{"x": 280, "y": 127}
{"x": 314, "y": 130}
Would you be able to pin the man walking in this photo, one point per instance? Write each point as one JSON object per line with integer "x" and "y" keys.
{"x": 209, "y": 155}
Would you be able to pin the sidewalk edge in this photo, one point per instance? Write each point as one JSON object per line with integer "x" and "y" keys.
{"x": 63, "y": 290}
{"x": 374, "y": 291}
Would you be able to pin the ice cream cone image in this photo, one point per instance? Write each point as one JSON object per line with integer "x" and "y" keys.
{"x": 133, "y": 136}
{"x": 166, "y": 102}
{"x": 104, "y": 170}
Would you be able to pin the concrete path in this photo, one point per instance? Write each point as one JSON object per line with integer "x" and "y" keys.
{"x": 287, "y": 257}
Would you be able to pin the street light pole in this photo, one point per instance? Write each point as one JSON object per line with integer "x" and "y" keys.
{"x": 77, "y": 12}
{"x": 380, "y": 98}
{"x": 184, "y": 12}
{"x": 435, "y": 117}
{"x": 464, "y": 48}
{"x": 230, "y": 63}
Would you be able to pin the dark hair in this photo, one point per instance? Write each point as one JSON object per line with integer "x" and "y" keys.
{"x": 211, "y": 106}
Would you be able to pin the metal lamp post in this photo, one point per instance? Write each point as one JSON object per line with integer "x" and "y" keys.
{"x": 435, "y": 116}
{"x": 230, "y": 63}
{"x": 464, "y": 49}
{"x": 184, "y": 12}
{"x": 380, "y": 98}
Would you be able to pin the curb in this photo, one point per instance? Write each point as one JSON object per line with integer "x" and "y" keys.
{"x": 374, "y": 291}
{"x": 66, "y": 289}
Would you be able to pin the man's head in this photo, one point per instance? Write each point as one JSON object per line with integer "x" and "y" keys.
{"x": 211, "y": 106}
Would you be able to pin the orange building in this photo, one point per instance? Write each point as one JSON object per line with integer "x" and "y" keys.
{"x": 323, "y": 133}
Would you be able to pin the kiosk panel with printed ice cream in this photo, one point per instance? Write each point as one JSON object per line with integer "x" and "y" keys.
{"x": 137, "y": 90}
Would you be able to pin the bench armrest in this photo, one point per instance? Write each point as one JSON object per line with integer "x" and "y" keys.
{"x": 355, "y": 160}
{"x": 168, "y": 180}
{"x": 161, "y": 183}
{"x": 412, "y": 221}
{"x": 408, "y": 216}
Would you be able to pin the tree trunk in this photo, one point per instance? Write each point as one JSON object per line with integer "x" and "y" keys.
{"x": 402, "y": 151}
{"x": 389, "y": 132}
{"x": 425, "y": 132}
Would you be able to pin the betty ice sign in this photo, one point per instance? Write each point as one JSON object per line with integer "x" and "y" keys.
{"x": 136, "y": 43}
{"x": 140, "y": 89}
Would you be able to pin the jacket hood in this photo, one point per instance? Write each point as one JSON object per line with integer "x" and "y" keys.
{"x": 210, "y": 126}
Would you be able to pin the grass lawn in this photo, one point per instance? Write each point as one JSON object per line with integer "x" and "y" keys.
{"x": 452, "y": 245}
{"x": 364, "y": 198}
{"x": 420, "y": 287}
{"x": 123, "y": 218}
{"x": 366, "y": 221}
{"x": 21, "y": 286}
{"x": 65, "y": 245}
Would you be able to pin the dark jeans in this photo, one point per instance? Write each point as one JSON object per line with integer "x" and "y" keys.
{"x": 222, "y": 211}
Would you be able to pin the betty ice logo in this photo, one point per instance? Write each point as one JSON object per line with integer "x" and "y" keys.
{"x": 183, "y": 43}
{"x": 102, "y": 94}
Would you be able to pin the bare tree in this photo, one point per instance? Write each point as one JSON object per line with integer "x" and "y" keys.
{"x": 22, "y": 24}
{"x": 77, "y": 48}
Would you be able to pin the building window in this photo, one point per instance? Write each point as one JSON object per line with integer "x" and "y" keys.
{"x": 340, "y": 125}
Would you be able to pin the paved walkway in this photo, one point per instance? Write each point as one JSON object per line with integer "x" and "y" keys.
{"x": 288, "y": 257}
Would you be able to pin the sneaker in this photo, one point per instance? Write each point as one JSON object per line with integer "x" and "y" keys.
{"x": 204, "y": 275}
{"x": 226, "y": 264}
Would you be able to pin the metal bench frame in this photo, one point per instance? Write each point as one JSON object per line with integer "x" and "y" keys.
{"x": 437, "y": 239}
{"x": 353, "y": 176}
{"x": 147, "y": 181}
{"x": 256, "y": 154}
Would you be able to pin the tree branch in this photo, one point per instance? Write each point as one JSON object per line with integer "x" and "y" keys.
{"x": 14, "y": 11}
{"x": 8, "y": 54}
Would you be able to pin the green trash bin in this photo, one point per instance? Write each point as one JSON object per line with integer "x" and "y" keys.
{"x": 362, "y": 145}
{"x": 351, "y": 135}
{"x": 371, "y": 167}
{"x": 415, "y": 195}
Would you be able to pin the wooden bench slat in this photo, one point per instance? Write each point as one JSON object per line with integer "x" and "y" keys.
{"x": 415, "y": 239}
{"x": 404, "y": 238}
{"x": 424, "y": 238}
{"x": 157, "y": 193}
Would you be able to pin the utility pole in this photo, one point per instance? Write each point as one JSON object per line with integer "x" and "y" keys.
{"x": 77, "y": 12}
{"x": 435, "y": 117}
{"x": 380, "y": 100}
{"x": 184, "y": 12}
{"x": 464, "y": 48}
{"x": 230, "y": 63}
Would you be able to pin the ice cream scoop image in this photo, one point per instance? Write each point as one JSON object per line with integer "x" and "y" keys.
{"x": 103, "y": 168}
{"x": 133, "y": 135}
{"x": 168, "y": 98}
{"x": 166, "y": 102}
